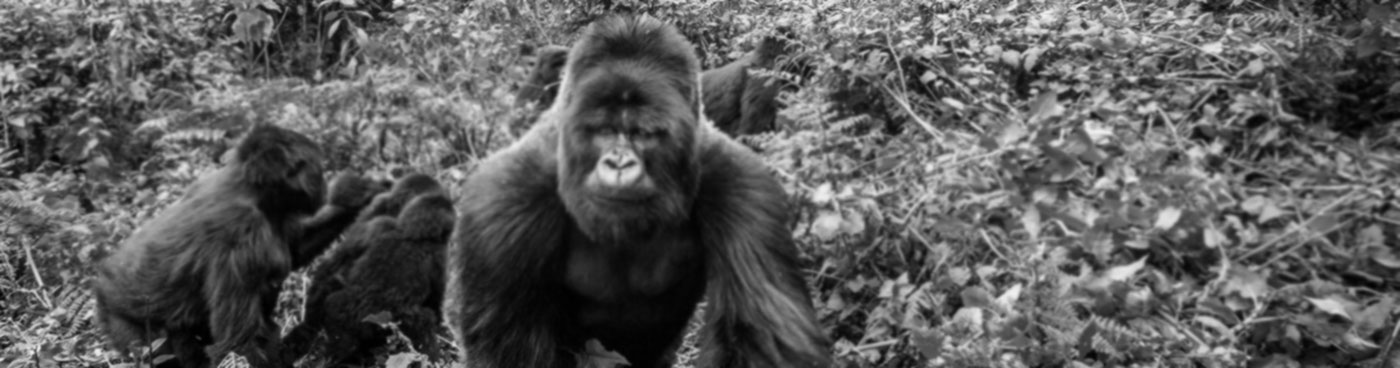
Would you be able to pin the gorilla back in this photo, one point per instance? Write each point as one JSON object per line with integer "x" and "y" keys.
{"x": 616, "y": 214}
{"x": 206, "y": 270}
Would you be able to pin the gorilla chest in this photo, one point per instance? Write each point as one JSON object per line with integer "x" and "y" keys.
{"x": 638, "y": 270}
{"x": 634, "y": 295}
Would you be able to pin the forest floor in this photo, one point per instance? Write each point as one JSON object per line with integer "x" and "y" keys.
{"x": 993, "y": 183}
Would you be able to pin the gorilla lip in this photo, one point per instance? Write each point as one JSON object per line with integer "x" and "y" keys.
{"x": 624, "y": 196}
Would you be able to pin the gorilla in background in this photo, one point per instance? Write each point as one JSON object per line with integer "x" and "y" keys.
{"x": 344, "y": 253}
{"x": 329, "y": 274}
{"x": 615, "y": 214}
{"x": 543, "y": 82}
{"x": 737, "y": 101}
{"x": 400, "y": 272}
{"x": 206, "y": 271}
{"x": 740, "y": 102}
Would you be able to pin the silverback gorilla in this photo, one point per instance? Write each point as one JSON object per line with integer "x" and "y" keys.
{"x": 206, "y": 271}
{"x": 615, "y": 214}
{"x": 391, "y": 260}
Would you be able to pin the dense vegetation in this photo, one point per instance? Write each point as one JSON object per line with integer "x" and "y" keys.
{"x": 1196, "y": 183}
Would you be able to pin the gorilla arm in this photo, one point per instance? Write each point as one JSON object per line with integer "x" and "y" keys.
{"x": 510, "y": 214}
{"x": 237, "y": 277}
{"x": 722, "y": 89}
{"x": 759, "y": 303}
{"x": 348, "y": 193}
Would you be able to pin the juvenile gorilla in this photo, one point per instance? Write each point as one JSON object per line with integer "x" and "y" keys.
{"x": 543, "y": 82}
{"x": 323, "y": 274}
{"x": 616, "y": 214}
{"x": 206, "y": 271}
{"x": 399, "y": 271}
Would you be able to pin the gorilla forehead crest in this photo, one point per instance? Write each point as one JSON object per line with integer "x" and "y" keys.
{"x": 620, "y": 43}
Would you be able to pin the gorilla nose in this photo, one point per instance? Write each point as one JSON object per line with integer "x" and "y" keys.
{"x": 619, "y": 169}
{"x": 619, "y": 162}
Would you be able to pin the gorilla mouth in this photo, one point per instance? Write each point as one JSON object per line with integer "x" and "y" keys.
{"x": 624, "y": 196}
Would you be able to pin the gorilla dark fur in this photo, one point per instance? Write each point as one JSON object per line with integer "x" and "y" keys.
{"x": 543, "y": 82}
{"x": 390, "y": 261}
{"x": 739, "y": 101}
{"x": 344, "y": 253}
{"x": 615, "y": 214}
{"x": 206, "y": 271}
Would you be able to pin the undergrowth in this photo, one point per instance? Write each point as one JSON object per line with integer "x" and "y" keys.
{"x": 979, "y": 184}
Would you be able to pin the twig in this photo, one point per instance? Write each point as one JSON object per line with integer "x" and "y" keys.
{"x": 38, "y": 280}
{"x": 1272, "y": 242}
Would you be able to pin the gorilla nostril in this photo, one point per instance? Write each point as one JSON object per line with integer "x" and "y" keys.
{"x": 619, "y": 162}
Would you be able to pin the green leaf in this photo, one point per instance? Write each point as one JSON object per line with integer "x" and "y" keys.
{"x": 827, "y": 224}
{"x": 976, "y": 296}
{"x": 1167, "y": 218}
{"x": 404, "y": 360}
{"x": 928, "y": 341}
{"x": 1330, "y": 305}
{"x": 1246, "y": 283}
